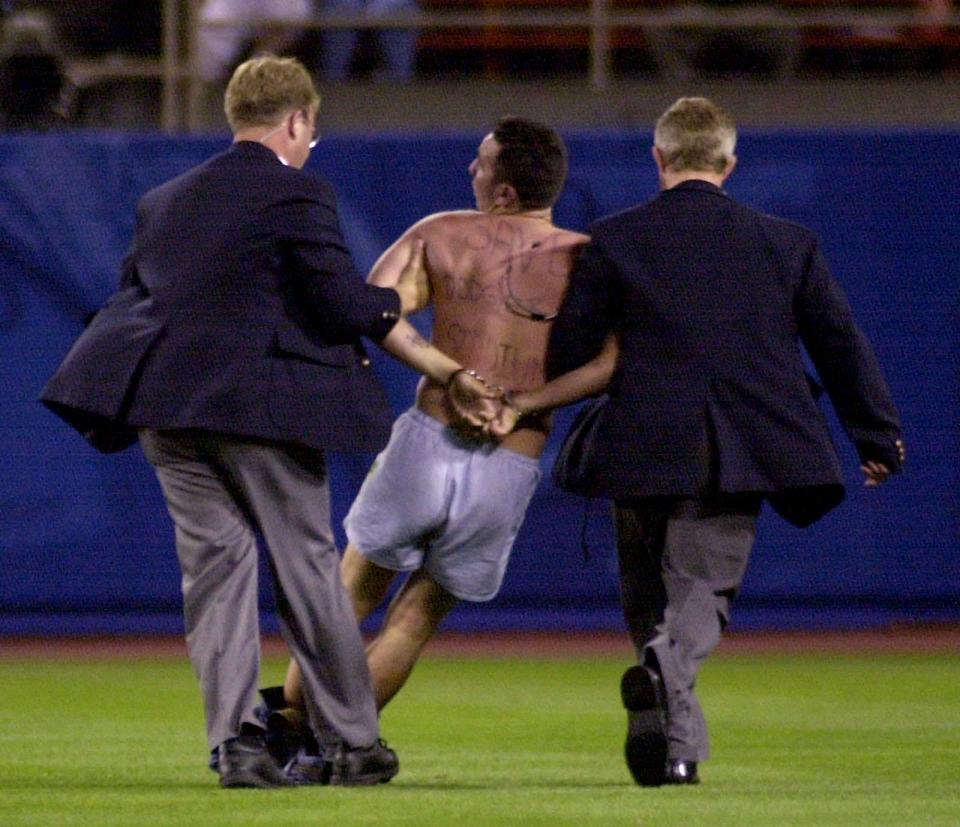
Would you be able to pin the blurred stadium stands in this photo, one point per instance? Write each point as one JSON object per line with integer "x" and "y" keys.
{"x": 134, "y": 63}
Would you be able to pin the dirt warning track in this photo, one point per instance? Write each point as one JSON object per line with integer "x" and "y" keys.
{"x": 900, "y": 639}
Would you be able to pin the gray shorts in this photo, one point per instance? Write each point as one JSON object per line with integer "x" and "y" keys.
{"x": 435, "y": 501}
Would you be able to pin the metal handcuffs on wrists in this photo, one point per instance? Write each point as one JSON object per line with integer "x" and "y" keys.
{"x": 510, "y": 401}
{"x": 469, "y": 371}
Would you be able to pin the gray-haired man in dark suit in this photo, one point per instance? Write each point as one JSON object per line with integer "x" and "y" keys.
{"x": 233, "y": 349}
{"x": 710, "y": 411}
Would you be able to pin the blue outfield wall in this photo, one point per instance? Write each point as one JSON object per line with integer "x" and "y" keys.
{"x": 85, "y": 542}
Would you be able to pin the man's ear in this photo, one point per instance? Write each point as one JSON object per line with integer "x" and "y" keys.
{"x": 658, "y": 159}
{"x": 505, "y": 196}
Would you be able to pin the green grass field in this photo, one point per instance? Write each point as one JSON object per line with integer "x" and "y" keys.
{"x": 828, "y": 740}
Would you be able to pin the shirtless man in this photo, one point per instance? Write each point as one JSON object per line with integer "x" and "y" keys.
{"x": 442, "y": 503}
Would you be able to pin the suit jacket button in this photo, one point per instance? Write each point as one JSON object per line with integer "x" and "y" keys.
{"x": 365, "y": 361}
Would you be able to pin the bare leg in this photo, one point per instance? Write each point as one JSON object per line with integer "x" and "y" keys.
{"x": 412, "y": 618}
{"x": 365, "y": 582}
{"x": 366, "y": 585}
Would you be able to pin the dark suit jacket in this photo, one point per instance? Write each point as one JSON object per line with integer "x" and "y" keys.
{"x": 712, "y": 300}
{"x": 239, "y": 311}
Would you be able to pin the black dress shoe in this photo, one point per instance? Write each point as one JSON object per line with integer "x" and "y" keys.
{"x": 375, "y": 764}
{"x": 273, "y": 702}
{"x": 646, "y": 749}
{"x": 681, "y": 772}
{"x": 244, "y": 762}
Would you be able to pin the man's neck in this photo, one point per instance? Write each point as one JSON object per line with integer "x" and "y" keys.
{"x": 669, "y": 180}
{"x": 544, "y": 214}
{"x": 265, "y": 136}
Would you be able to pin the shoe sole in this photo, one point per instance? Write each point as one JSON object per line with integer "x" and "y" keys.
{"x": 362, "y": 780}
{"x": 683, "y": 781}
{"x": 367, "y": 780}
{"x": 646, "y": 745}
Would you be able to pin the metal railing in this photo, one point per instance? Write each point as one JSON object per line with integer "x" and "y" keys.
{"x": 183, "y": 87}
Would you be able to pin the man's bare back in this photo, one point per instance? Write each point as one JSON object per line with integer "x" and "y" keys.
{"x": 495, "y": 281}
{"x": 496, "y": 277}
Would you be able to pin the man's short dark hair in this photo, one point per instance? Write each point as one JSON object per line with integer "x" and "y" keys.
{"x": 532, "y": 159}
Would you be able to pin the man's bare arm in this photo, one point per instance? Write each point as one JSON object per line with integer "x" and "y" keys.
{"x": 587, "y": 380}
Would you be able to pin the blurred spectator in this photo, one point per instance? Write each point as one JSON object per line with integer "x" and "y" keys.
{"x": 397, "y": 47}
{"x": 391, "y": 52}
{"x": 934, "y": 13}
{"x": 924, "y": 45}
{"x": 34, "y": 90}
{"x": 223, "y": 47}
